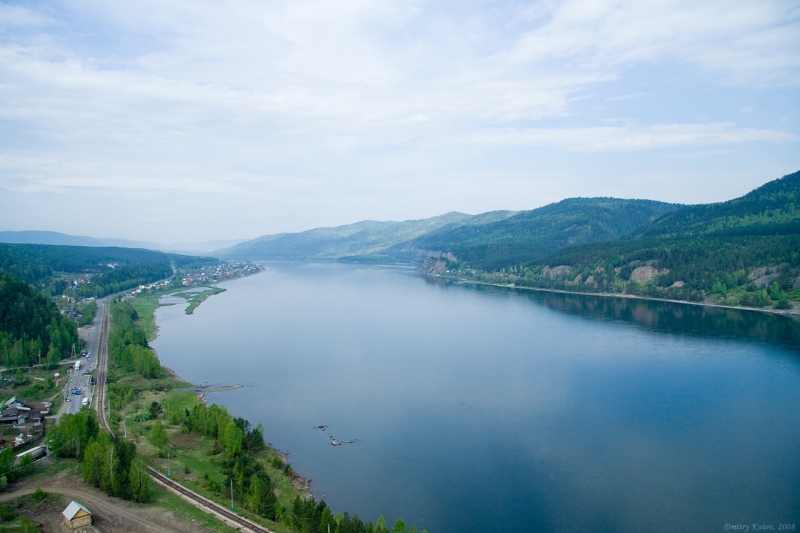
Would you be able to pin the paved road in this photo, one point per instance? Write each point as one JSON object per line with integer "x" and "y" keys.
{"x": 78, "y": 379}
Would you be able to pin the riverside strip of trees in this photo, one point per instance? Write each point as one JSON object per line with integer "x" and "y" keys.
{"x": 128, "y": 343}
{"x": 239, "y": 444}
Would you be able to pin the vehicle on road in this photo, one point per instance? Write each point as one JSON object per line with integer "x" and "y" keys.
{"x": 77, "y": 365}
{"x": 85, "y": 402}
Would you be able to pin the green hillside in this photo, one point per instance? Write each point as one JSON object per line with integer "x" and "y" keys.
{"x": 353, "y": 240}
{"x": 772, "y": 209}
{"x": 30, "y": 325}
{"x": 742, "y": 252}
{"x": 489, "y": 240}
{"x": 531, "y": 234}
{"x": 756, "y": 271}
{"x": 110, "y": 269}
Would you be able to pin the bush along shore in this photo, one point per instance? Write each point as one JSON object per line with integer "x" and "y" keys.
{"x": 203, "y": 447}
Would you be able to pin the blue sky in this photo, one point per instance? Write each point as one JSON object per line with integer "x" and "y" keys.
{"x": 186, "y": 121}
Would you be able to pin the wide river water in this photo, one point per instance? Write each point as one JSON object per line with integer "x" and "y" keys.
{"x": 480, "y": 409}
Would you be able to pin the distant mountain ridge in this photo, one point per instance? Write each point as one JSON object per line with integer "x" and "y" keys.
{"x": 531, "y": 234}
{"x": 63, "y": 239}
{"x": 482, "y": 240}
{"x": 362, "y": 239}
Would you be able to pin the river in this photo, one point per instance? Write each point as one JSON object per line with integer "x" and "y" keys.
{"x": 478, "y": 409}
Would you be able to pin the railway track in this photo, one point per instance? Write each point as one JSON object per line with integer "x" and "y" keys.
{"x": 102, "y": 364}
{"x": 201, "y": 502}
{"x": 226, "y": 515}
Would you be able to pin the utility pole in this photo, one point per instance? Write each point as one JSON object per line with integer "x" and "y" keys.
{"x": 231, "y": 494}
{"x": 169, "y": 472}
{"x": 40, "y": 358}
{"x": 111, "y": 466}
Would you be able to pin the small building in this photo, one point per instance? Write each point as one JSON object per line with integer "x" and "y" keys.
{"x": 18, "y": 413}
{"x": 76, "y": 515}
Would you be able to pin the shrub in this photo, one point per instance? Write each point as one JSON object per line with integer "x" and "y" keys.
{"x": 39, "y": 495}
{"x": 142, "y": 416}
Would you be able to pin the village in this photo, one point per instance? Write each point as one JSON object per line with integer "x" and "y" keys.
{"x": 220, "y": 272}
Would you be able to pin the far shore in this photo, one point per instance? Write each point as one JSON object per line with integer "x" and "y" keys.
{"x": 792, "y": 313}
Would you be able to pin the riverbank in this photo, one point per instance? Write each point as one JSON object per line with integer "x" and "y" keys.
{"x": 196, "y": 298}
{"x": 792, "y": 313}
{"x": 146, "y": 304}
{"x": 191, "y": 458}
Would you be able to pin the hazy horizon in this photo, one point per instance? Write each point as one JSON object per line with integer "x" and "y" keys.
{"x": 171, "y": 122}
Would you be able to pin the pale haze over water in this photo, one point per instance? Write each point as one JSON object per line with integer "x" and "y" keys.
{"x": 493, "y": 410}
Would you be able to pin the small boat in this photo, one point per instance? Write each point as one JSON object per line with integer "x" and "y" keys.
{"x": 335, "y": 442}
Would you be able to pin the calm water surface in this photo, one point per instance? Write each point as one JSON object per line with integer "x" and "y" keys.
{"x": 481, "y": 409}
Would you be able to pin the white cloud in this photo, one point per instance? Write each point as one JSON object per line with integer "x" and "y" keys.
{"x": 318, "y": 98}
{"x": 748, "y": 42}
{"x": 630, "y": 138}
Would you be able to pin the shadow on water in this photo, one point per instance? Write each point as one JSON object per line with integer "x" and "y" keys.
{"x": 667, "y": 317}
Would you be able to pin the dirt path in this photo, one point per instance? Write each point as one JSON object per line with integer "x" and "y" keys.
{"x": 110, "y": 514}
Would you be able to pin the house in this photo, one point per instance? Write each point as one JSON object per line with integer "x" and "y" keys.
{"x": 18, "y": 413}
{"x": 76, "y": 515}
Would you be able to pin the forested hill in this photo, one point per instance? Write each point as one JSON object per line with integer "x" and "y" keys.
{"x": 772, "y": 209}
{"x": 531, "y": 234}
{"x": 486, "y": 240}
{"x": 30, "y": 324}
{"x": 108, "y": 269}
{"x": 367, "y": 238}
{"x": 742, "y": 252}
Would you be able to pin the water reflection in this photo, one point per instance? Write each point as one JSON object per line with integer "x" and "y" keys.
{"x": 491, "y": 409}
{"x": 673, "y": 318}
